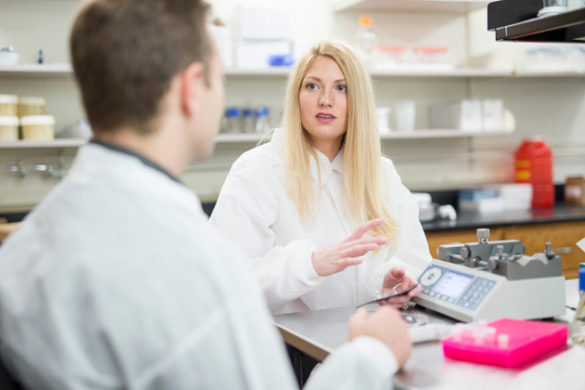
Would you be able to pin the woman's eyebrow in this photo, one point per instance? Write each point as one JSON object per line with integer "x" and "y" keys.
{"x": 318, "y": 79}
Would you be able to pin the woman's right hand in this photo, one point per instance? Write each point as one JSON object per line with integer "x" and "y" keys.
{"x": 336, "y": 258}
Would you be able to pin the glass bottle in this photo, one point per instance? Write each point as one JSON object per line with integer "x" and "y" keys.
{"x": 249, "y": 120}
{"x": 367, "y": 40}
{"x": 232, "y": 115}
{"x": 262, "y": 125}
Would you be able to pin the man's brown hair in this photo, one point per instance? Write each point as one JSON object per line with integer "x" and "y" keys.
{"x": 126, "y": 52}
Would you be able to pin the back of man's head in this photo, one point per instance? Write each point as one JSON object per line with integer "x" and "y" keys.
{"x": 126, "y": 52}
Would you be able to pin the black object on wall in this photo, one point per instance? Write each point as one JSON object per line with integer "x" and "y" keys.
{"x": 516, "y": 20}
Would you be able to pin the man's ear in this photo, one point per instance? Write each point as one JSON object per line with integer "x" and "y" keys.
{"x": 192, "y": 81}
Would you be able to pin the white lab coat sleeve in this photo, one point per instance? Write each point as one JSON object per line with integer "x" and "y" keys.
{"x": 246, "y": 209}
{"x": 365, "y": 363}
{"x": 411, "y": 250}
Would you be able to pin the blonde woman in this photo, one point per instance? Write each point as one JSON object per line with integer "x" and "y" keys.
{"x": 322, "y": 219}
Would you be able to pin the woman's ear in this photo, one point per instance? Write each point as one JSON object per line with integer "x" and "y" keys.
{"x": 192, "y": 80}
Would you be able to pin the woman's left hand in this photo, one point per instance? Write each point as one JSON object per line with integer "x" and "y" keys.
{"x": 396, "y": 280}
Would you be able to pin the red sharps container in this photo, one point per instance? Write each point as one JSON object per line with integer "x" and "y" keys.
{"x": 534, "y": 165}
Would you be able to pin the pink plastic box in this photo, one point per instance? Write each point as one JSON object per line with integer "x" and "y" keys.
{"x": 506, "y": 342}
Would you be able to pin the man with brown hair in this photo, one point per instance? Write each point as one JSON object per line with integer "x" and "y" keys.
{"x": 115, "y": 280}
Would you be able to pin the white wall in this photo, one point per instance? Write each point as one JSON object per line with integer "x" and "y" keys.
{"x": 552, "y": 107}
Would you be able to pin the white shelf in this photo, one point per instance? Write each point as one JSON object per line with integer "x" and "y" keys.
{"x": 254, "y": 138}
{"x": 56, "y": 143}
{"x": 262, "y": 72}
{"x": 430, "y": 72}
{"x": 395, "y": 72}
{"x": 441, "y": 133}
{"x": 240, "y": 138}
{"x": 443, "y": 6}
{"x": 548, "y": 73}
{"x": 36, "y": 69}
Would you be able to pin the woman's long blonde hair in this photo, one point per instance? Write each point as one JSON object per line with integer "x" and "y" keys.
{"x": 362, "y": 162}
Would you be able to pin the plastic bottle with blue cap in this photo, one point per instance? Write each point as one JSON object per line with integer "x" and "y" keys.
{"x": 578, "y": 324}
{"x": 249, "y": 120}
{"x": 262, "y": 125}
{"x": 232, "y": 115}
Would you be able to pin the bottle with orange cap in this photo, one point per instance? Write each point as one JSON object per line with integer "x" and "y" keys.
{"x": 367, "y": 40}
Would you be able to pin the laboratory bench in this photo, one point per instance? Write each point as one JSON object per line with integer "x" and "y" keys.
{"x": 318, "y": 333}
{"x": 561, "y": 225}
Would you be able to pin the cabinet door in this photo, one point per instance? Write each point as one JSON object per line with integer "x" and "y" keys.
{"x": 456, "y": 237}
{"x": 560, "y": 235}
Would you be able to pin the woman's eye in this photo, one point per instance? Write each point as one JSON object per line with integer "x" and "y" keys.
{"x": 311, "y": 86}
{"x": 341, "y": 88}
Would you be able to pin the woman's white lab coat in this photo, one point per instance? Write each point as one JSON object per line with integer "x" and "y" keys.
{"x": 255, "y": 213}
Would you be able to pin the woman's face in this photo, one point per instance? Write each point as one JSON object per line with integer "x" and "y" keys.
{"x": 323, "y": 105}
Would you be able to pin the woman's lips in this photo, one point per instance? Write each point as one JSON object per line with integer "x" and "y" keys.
{"x": 324, "y": 117}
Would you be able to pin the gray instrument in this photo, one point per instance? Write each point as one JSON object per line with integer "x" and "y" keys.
{"x": 491, "y": 280}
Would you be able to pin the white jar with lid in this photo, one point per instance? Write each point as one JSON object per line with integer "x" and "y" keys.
{"x": 8, "y": 128}
{"x": 8, "y": 104}
{"x": 31, "y": 105}
{"x": 38, "y": 127}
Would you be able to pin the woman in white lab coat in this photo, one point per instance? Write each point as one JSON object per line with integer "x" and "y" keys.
{"x": 322, "y": 219}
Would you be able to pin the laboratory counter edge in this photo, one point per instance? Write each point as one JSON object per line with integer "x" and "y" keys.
{"x": 465, "y": 220}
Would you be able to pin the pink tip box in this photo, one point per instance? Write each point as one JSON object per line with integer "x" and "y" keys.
{"x": 506, "y": 342}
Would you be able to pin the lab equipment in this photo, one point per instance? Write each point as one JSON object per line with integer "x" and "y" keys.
{"x": 8, "y": 128}
{"x": 575, "y": 190}
{"x": 38, "y": 127}
{"x": 553, "y": 7}
{"x": 383, "y": 119}
{"x": 534, "y": 165}
{"x": 367, "y": 40}
{"x": 31, "y": 105}
{"x": 232, "y": 120}
{"x": 492, "y": 280}
{"x": 578, "y": 324}
{"x": 8, "y": 105}
{"x": 505, "y": 343}
{"x": 392, "y": 295}
{"x": 8, "y": 56}
{"x": 262, "y": 125}
{"x": 249, "y": 120}
{"x": 281, "y": 60}
{"x": 405, "y": 115}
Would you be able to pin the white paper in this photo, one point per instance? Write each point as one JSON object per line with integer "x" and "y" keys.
{"x": 581, "y": 244}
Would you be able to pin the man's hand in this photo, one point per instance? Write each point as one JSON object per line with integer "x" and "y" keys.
{"x": 386, "y": 325}
{"x": 394, "y": 281}
{"x": 336, "y": 258}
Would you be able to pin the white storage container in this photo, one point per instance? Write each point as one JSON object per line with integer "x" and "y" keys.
{"x": 8, "y": 128}
{"x": 31, "y": 105}
{"x": 8, "y": 105}
{"x": 38, "y": 127}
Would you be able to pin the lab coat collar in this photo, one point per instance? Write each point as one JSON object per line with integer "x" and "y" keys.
{"x": 326, "y": 167}
{"x": 144, "y": 160}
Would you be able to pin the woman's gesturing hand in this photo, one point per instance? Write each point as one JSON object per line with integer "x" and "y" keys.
{"x": 336, "y": 258}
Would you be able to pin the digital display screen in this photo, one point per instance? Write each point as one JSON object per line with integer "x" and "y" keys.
{"x": 452, "y": 284}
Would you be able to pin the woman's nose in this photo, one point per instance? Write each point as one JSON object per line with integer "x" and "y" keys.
{"x": 326, "y": 99}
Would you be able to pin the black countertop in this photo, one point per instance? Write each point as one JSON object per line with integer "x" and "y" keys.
{"x": 466, "y": 221}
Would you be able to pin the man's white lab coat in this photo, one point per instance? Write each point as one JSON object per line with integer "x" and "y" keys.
{"x": 117, "y": 281}
{"x": 255, "y": 213}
